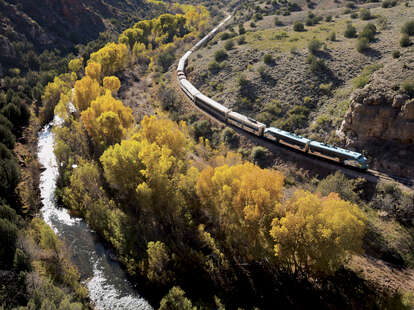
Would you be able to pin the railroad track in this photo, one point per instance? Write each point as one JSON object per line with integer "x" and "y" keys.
{"x": 311, "y": 161}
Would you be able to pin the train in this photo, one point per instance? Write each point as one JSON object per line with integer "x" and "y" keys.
{"x": 275, "y": 135}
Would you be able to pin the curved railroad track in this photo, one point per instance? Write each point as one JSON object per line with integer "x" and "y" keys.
{"x": 306, "y": 160}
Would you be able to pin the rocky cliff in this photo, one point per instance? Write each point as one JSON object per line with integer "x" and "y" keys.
{"x": 381, "y": 117}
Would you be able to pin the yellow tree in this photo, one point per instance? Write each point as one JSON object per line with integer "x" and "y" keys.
{"x": 314, "y": 235}
{"x": 241, "y": 200}
{"x": 76, "y": 64}
{"x": 107, "y": 121}
{"x": 123, "y": 167}
{"x": 165, "y": 132}
{"x": 112, "y": 57}
{"x": 86, "y": 90}
{"x": 94, "y": 70}
{"x": 51, "y": 97}
{"x": 132, "y": 36}
{"x": 112, "y": 83}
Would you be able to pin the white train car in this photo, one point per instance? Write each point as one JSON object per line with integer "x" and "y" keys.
{"x": 212, "y": 106}
{"x": 189, "y": 89}
{"x": 246, "y": 123}
{"x": 183, "y": 62}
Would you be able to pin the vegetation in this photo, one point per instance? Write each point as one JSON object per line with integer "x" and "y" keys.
{"x": 220, "y": 56}
{"x": 314, "y": 46}
{"x": 408, "y": 28}
{"x": 365, "y": 14}
{"x": 368, "y": 32}
{"x": 405, "y": 40}
{"x": 362, "y": 44}
{"x": 388, "y": 3}
{"x": 298, "y": 26}
{"x": 408, "y": 87}
{"x": 362, "y": 80}
{"x": 350, "y": 31}
{"x": 229, "y": 45}
{"x": 268, "y": 59}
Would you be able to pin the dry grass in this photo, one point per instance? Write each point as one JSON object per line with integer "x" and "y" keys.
{"x": 383, "y": 275}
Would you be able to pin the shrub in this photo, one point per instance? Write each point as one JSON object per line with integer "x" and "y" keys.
{"x": 253, "y": 25}
{"x": 242, "y": 30}
{"x": 354, "y": 15}
{"x": 314, "y": 46}
{"x": 220, "y": 56}
{"x": 9, "y": 172}
{"x": 350, "y": 31}
{"x": 339, "y": 183}
{"x": 8, "y": 238}
{"x": 368, "y": 32}
{"x": 262, "y": 71}
{"x": 316, "y": 65}
{"x": 259, "y": 155}
{"x": 278, "y": 22}
{"x": 225, "y": 36}
{"x": 408, "y": 28}
{"x": 408, "y": 87}
{"x": 230, "y": 137}
{"x": 328, "y": 18}
{"x": 363, "y": 79}
{"x": 202, "y": 128}
{"x": 326, "y": 88}
{"x": 405, "y": 40}
{"x": 241, "y": 40}
{"x": 396, "y": 54}
{"x": 229, "y": 45}
{"x": 6, "y": 137}
{"x": 268, "y": 59}
{"x": 365, "y": 14}
{"x": 298, "y": 26}
{"x": 214, "y": 67}
{"x": 258, "y": 17}
{"x": 175, "y": 300}
{"x": 350, "y": 5}
{"x": 332, "y": 36}
{"x": 362, "y": 44}
{"x": 388, "y": 3}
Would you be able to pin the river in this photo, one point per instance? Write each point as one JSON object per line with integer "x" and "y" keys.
{"x": 109, "y": 288}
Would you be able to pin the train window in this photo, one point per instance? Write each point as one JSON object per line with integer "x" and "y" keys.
{"x": 252, "y": 120}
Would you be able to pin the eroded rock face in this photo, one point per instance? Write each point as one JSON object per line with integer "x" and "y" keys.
{"x": 380, "y": 120}
{"x": 382, "y": 110}
{"x": 379, "y": 112}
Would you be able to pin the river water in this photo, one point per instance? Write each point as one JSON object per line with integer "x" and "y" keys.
{"x": 108, "y": 286}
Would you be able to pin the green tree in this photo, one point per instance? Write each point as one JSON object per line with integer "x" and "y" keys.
{"x": 158, "y": 262}
{"x": 176, "y": 300}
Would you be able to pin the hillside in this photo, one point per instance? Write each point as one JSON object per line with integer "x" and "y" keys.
{"x": 61, "y": 24}
{"x": 311, "y": 99}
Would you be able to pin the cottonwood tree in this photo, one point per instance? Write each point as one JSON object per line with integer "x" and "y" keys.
{"x": 314, "y": 235}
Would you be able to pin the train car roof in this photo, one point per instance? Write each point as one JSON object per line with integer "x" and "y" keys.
{"x": 287, "y": 134}
{"x": 213, "y": 103}
{"x": 190, "y": 87}
{"x": 246, "y": 119}
{"x": 335, "y": 149}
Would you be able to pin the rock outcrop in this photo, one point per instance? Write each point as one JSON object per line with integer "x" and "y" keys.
{"x": 380, "y": 112}
{"x": 381, "y": 118}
